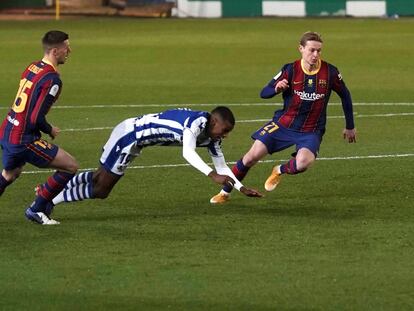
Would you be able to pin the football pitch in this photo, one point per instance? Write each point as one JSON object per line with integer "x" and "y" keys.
{"x": 338, "y": 237}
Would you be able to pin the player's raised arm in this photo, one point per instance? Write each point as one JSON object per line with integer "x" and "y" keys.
{"x": 278, "y": 84}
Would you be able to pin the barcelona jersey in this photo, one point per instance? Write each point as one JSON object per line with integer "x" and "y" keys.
{"x": 39, "y": 88}
{"x": 305, "y": 101}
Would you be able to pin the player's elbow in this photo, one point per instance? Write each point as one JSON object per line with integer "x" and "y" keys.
{"x": 267, "y": 92}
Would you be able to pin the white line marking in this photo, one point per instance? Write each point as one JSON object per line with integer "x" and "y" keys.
{"x": 380, "y": 156}
{"x": 207, "y": 105}
{"x": 261, "y": 120}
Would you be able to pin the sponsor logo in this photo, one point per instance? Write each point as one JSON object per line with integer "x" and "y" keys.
{"x": 309, "y": 96}
{"x": 13, "y": 121}
{"x": 54, "y": 90}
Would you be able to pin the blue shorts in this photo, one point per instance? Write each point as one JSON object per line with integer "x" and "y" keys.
{"x": 277, "y": 138}
{"x": 39, "y": 153}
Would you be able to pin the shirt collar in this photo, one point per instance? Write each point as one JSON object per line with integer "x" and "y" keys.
{"x": 313, "y": 72}
{"x": 49, "y": 63}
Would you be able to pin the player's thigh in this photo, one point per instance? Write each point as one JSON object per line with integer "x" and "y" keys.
{"x": 63, "y": 161}
{"x": 310, "y": 141}
{"x": 274, "y": 137}
{"x": 42, "y": 154}
{"x": 307, "y": 148}
{"x": 256, "y": 152}
{"x": 13, "y": 163}
{"x": 120, "y": 149}
{"x": 13, "y": 174}
{"x": 304, "y": 158}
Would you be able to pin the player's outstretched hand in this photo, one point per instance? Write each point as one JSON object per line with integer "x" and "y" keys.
{"x": 349, "y": 135}
{"x": 221, "y": 179}
{"x": 250, "y": 192}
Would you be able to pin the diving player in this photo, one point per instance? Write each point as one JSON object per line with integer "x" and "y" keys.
{"x": 184, "y": 127}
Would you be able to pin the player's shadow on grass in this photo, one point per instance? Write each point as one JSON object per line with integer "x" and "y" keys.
{"x": 291, "y": 209}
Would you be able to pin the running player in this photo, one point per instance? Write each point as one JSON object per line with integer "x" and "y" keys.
{"x": 20, "y": 132}
{"x": 306, "y": 86}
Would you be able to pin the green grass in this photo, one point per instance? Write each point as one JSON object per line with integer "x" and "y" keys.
{"x": 339, "y": 237}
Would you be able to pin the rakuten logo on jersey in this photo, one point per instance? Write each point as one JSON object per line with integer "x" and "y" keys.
{"x": 309, "y": 96}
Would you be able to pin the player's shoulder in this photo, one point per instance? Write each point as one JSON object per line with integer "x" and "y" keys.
{"x": 331, "y": 66}
{"x": 289, "y": 66}
{"x": 43, "y": 70}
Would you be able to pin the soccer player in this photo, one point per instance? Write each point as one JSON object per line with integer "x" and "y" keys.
{"x": 184, "y": 127}
{"x": 20, "y": 132}
{"x": 306, "y": 86}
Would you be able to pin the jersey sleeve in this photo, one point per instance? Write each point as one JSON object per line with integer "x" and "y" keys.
{"x": 269, "y": 90}
{"x": 219, "y": 163}
{"x": 196, "y": 124}
{"x": 49, "y": 93}
{"x": 189, "y": 153}
{"x": 338, "y": 85}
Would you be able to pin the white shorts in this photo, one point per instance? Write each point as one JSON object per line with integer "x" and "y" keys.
{"x": 121, "y": 148}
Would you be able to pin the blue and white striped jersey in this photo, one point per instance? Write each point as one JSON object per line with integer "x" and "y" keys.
{"x": 182, "y": 127}
{"x": 166, "y": 128}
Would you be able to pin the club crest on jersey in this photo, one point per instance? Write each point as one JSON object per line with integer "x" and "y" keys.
{"x": 322, "y": 83}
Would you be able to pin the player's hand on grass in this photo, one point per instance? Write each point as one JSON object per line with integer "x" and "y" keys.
{"x": 349, "y": 135}
{"x": 250, "y": 192}
{"x": 55, "y": 131}
{"x": 281, "y": 86}
{"x": 221, "y": 179}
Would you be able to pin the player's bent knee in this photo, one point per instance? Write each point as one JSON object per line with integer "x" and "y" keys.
{"x": 73, "y": 167}
{"x": 101, "y": 194}
{"x": 303, "y": 164}
{"x": 11, "y": 176}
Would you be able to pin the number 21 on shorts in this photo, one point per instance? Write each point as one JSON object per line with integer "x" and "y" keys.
{"x": 271, "y": 127}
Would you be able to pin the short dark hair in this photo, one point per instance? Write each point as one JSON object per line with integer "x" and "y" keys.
{"x": 54, "y": 38}
{"x": 310, "y": 36}
{"x": 225, "y": 113}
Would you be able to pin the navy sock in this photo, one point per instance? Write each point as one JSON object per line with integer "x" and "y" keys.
{"x": 240, "y": 171}
{"x": 290, "y": 168}
{"x": 39, "y": 205}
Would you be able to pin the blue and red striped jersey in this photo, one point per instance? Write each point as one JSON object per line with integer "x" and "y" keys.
{"x": 40, "y": 87}
{"x": 305, "y": 101}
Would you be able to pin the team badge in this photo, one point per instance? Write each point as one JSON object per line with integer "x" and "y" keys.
{"x": 322, "y": 83}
